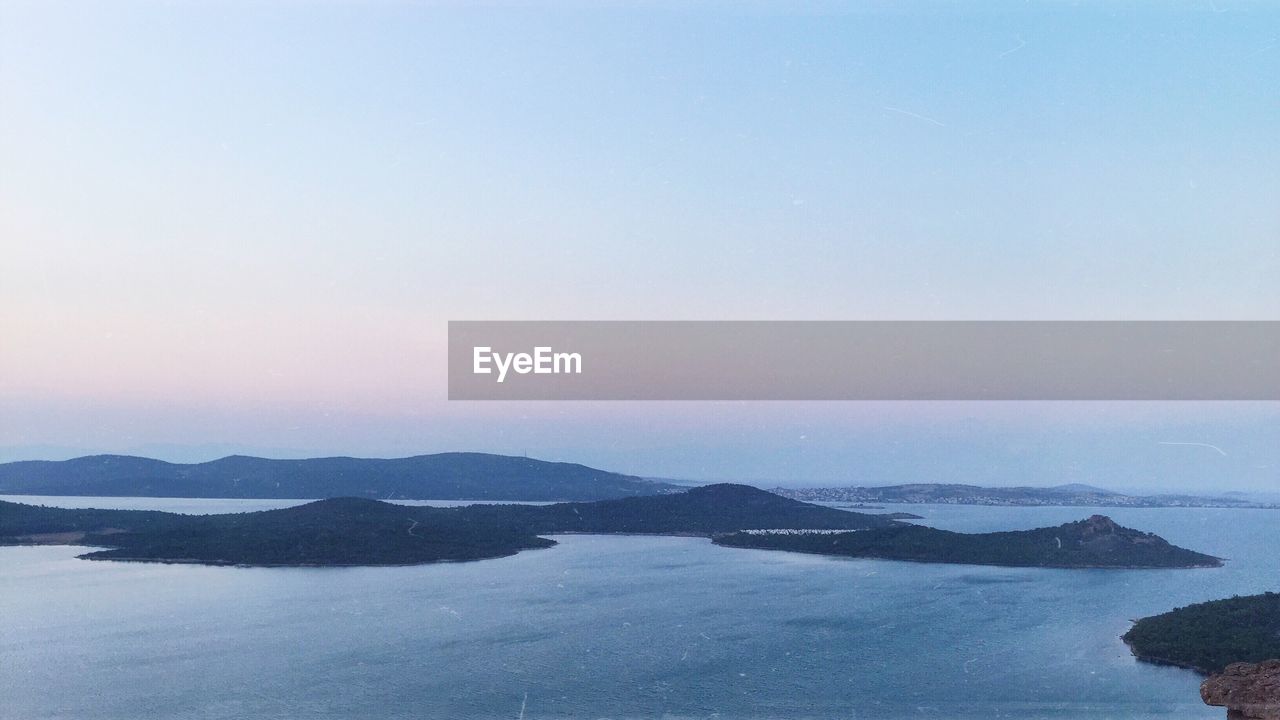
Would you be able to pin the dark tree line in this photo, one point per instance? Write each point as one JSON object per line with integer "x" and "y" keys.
{"x": 1209, "y": 636}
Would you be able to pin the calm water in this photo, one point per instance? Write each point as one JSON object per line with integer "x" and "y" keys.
{"x": 612, "y": 627}
{"x": 204, "y": 506}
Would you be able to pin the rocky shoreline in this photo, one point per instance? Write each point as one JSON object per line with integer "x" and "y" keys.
{"x": 1249, "y": 691}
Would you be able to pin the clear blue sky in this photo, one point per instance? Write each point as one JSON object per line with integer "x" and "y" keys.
{"x": 247, "y": 223}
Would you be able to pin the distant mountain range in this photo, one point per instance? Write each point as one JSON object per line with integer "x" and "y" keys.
{"x": 444, "y": 476}
{"x": 1074, "y": 495}
{"x": 482, "y": 476}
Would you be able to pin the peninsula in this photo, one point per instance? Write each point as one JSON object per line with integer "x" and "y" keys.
{"x": 1097, "y": 542}
{"x": 1209, "y": 636}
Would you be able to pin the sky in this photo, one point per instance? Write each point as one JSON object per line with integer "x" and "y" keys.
{"x": 242, "y": 227}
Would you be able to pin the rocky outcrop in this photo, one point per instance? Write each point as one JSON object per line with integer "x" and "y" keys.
{"x": 1248, "y": 691}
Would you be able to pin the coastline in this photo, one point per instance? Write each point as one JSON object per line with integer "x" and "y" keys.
{"x": 1157, "y": 660}
{"x": 1220, "y": 564}
{"x": 234, "y": 564}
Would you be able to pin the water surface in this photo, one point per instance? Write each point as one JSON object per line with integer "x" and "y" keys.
{"x": 614, "y": 627}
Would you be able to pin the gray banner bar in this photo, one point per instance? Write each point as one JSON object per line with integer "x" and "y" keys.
{"x": 864, "y": 360}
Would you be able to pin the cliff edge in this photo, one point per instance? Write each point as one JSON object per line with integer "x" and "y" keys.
{"x": 1248, "y": 691}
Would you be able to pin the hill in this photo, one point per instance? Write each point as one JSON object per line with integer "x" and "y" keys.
{"x": 1209, "y": 636}
{"x": 1097, "y": 542}
{"x": 356, "y": 531}
{"x": 706, "y": 510}
{"x": 445, "y": 476}
{"x": 339, "y": 531}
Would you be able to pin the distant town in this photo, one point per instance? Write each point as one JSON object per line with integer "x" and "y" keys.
{"x": 1074, "y": 495}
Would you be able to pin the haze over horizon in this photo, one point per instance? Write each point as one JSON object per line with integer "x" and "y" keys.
{"x": 245, "y": 225}
{"x": 1136, "y": 457}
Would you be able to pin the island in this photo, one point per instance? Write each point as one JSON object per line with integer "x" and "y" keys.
{"x": 1209, "y": 636}
{"x": 359, "y": 531}
{"x": 1097, "y": 542}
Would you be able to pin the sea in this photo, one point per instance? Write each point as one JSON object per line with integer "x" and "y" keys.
{"x": 613, "y": 627}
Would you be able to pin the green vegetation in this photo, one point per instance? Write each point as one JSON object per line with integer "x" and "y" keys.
{"x": 353, "y": 531}
{"x": 343, "y": 531}
{"x": 1209, "y": 636}
{"x": 26, "y": 523}
{"x": 701, "y": 511}
{"x": 1094, "y": 543}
